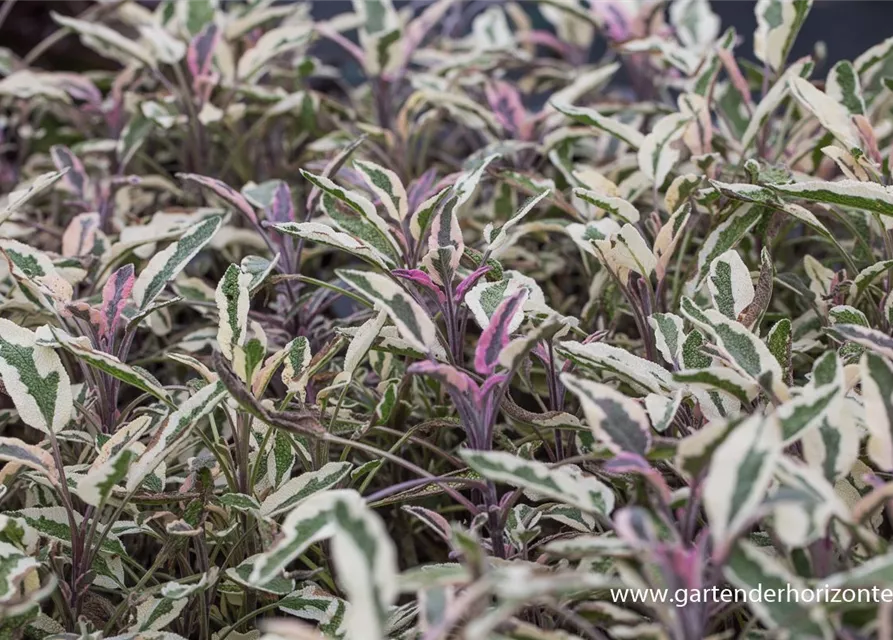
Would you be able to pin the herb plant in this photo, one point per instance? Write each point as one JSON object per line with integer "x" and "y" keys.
{"x": 461, "y": 339}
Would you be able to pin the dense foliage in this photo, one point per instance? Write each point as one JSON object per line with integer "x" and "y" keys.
{"x": 454, "y": 350}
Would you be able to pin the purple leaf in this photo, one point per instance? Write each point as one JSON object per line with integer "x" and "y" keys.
{"x": 79, "y": 87}
{"x": 201, "y": 51}
{"x": 491, "y": 382}
{"x": 76, "y": 179}
{"x": 420, "y": 278}
{"x": 686, "y": 564}
{"x": 496, "y": 335}
{"x": 224, "y": 191}
{"x": 283, "y": 209}
{"x": 505, "y": 101}
{"x": 475, "y": 411}
{"x": 469, "y": 282}
{"x": 455, "y": 380}
{"x": 546, "y": 39}
{"x": 115, "y": 295}
{"x": 421, "y": 189}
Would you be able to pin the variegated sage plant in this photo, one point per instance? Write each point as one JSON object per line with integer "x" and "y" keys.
{"x": 469, "y": 337}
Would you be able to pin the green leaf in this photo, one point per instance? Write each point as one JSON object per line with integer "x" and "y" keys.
{"x": 364, "y": 555}
{"x": 53, "y": 523}
{"x": 20, "y": 197}
{"x": 273, "y": 43}
{"x": 498, "y": 238}
{"x": 387, "y": 186}
{"x": 727, "y": 235}
{"x": 662, "y": 410}
{"x": 660, "y": 150}
{"x": 240, "y": 502}
{"x": 165, "y": 265}
{"x": 312, "y": 603}
{"x": 14, "y": 568}
{"x": 750, "y": 567}
{"x": 81, "y": 349}
{"x": 778, "y": 22}
{"x": 668, "y": 336}
{"x": 744, "y": 350}
{"x": 619, "y": 130}
{"x": 868, "y": 196}
{"x": 830, "y": 113}
{"x": 15, "y": 451}
{"x": 35, "y": 379}
{"x": 559, "y": 483}
{"x": 864, "y": 279}
{"x": 722, "y": 379}
{"x": 807, "y": 411}
{"x": 730, "y": 284}
{"x": 359, "y": 346}
{"x": 363, "y": 223}
{"x": 616, "y": 420}
{"x": 173, "y": 429}
{"x": 380, "y": 28}
{"x": 804, "y": 504}
{"x": 241, "y": 575}
{"x": 232, "y": 298}
{"x": 877, "y": 397}
{"x": 872, "y": 339}
{"x": 97, "y": 484}
{"x": 845, "y": 314}
{"x": 304, "y": 485}
{"x": 613, "y": 206}
{"x": 843, "y": 86}
{"x": 740, "y": 472}
{"x": 877, "y": 571}
{"x": 598, "y": 357}
{"x": 326, "y": 235}
{"x": 156, "y": 613}
{"x": 412, "y": 321}
{"x": 780, "y": 341}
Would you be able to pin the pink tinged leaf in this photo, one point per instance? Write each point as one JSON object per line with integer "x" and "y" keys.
{"x": 115, "y": 295}
{"x": 345, "y": 43}
{"x": 490, "y": 383}
{"x": 422, "y": 279}
{"x": 734, "y": 71}
{"x": 76, "y": 179}
{"x": 78, "y": 87}
{"x": 80, "y": 235}
{"x": 546, "y": 39}
{"x": 421, "y": 189}
{"x": 465, "y": 395}
{"x": 418, "y": 28}
{"x": 431, "y": 519}
{"x": 201, "y": 51}
{"x": 686, "y": 564}
{"x": 469, "y": 281}
{"x": 496, "y": 336}
{"x": 505, "y": 101}
{"x": 866, "y": 132}
{"x": 446, "y": 236}
{"x": 223, "y": 190}
{"x": 616, "y": 19}
{"x": 626, "y": 462}
{"x": 282, "y": 209}
{"x": 448, "y": 375}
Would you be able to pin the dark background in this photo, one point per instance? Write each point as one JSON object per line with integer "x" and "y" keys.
{"x": 848, "y": 27}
